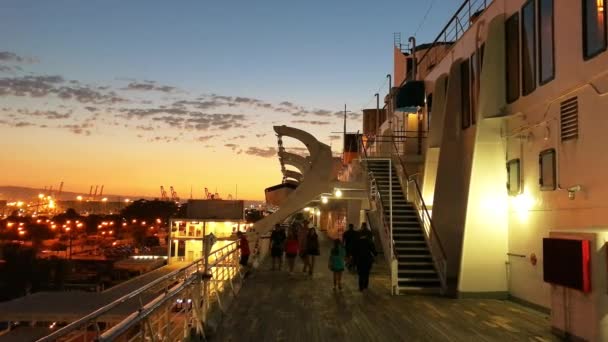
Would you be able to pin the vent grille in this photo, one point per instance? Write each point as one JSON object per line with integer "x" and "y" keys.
{"x": 569, "y": 119}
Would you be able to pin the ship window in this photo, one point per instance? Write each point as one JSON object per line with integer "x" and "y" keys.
{"x": 512, "y": 57}
{"x": 528, "y": 43}
{"x": 514, "y": 177}
{"x": 429, "y": 110}
{"x": 594, "y": 27}
{"x": 465, "y": 92}
{"x": 547, "y": 180}
{"x": 546, "y": 52}
{"x": 474, "y": 85}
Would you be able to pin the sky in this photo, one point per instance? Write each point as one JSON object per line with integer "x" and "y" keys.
{"x": 137, "y": 94}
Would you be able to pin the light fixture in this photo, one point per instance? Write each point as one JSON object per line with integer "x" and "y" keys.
{"x": 338, "y": 193}
{"x": 307, "y": 209}
{"x": 324, "y": 199}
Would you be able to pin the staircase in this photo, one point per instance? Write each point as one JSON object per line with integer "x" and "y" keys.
{"x": 416, "y": 271}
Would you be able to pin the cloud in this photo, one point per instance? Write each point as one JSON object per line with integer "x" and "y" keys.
{"x": 42, "y": 86}
{"x": 204, "y": 138}
{"x": 82, "y": 128}
{"x": 267, "y": 152}
{"x": 6, "y": 56}
{"x": 166, "y": 139}
{"x": 312, "y": 122}
{"x": 260, "y": 135}
{"x": 49, "y": 114}
{"x": 144, "y": 128}
{"x": 149, "y": 86}
{"x": 231, "y": 146}
{"x": 334, "y": 137}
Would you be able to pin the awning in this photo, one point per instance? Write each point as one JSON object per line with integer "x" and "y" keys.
{"x": 410, "y": 97}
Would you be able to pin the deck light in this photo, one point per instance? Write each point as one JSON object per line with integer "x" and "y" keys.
{"x": 324, "y": 199}
{"x": 338, "y": 193}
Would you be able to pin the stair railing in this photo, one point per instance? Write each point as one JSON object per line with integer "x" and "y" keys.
{"x": 375, "y": 197}
{"x": 414, "y": 195}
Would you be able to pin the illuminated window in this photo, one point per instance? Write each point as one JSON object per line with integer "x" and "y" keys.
{"x": 594, "y": 27}
{"x": 512, "y": 57}
{"x": 546, "y": 51}
{"x": 528, "y": 43}
{"x": 514, "y": 177}
{"x": 548, "y": 173}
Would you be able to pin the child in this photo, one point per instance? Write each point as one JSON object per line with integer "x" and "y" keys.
{"x": 291, "y": 250}
{"x": 336, "y": 262}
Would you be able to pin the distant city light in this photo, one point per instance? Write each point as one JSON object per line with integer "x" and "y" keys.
{"x": 79, "y": 198}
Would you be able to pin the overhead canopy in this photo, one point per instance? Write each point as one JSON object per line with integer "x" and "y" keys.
{"x": 410, "y": 97}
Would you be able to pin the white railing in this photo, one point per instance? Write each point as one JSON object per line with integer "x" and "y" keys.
{"x": 169, "y": 308}
{"x": 389, "y": 149}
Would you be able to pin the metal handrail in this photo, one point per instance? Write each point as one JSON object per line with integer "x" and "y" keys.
{"x": 427, "y": 221}
{"x": 91, "y": 317}
{"x": 131, "y": 321}
{"x": 378, "y": 201}
{"x": 455, "y": 28}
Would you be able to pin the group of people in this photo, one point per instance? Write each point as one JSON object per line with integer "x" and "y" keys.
{"x": 355, "y": 251}
{"x": 301, "y": 240}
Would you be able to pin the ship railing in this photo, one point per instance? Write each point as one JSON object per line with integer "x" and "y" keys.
{"x": 386, "y": 225}
{"x": 170, "y": 307}
{"x": 461, "y": 21}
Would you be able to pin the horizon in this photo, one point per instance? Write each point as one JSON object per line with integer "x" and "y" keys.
{"x": 187, "y": 96}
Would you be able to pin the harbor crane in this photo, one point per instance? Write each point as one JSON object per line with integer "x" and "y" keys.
{"x": 174, "y": 196}
{"x": 163, "y": 194}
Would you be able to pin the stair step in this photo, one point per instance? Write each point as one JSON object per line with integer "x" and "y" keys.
{"x": 418, "y": 290}
{"x": 419, "y": 282}
{"x": 413, "y": 257}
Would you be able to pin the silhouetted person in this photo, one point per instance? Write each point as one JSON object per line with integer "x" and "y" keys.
{"x": 364, "y": 252}
{"x": 302, "y": 237}
{"x": 348, "y": 238}
{"x": 245, "y": 252}
{"x": 277, "y": 245}
{"x": 312, "y": 248}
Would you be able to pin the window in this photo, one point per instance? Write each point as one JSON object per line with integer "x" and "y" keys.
{"x": 474, "y": 85}
{"x": 514, "y": 177}
{"x": 528, "y": 43}
{"x": 546, "y": 51}
{"x": 429, "y": 110}
{"x": 594, "y": 27}
{"x": 512, "y": 57}
{"x": 547, "y": 180}
{"x": 465, "y": 95}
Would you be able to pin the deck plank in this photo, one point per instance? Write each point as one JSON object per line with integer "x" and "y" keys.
{"x": 274, "y": 306}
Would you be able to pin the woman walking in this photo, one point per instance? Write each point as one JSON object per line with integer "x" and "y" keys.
{"x": 291, "y": 250}
{"x": 312, "y": 248}
{"x": 336, "y": 262}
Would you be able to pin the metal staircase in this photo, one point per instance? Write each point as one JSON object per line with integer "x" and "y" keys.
{"x": 415, "y": 268}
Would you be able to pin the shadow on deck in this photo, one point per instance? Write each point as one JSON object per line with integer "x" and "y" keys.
{"x": 273, "y": 306}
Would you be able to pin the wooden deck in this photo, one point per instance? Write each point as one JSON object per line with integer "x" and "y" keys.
{"x": 272, "y": 306}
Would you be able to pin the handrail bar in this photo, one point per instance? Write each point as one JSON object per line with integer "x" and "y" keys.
{"x": 424, "y": 207}
{"x": 443, "y": 33}
{"x": 130, "y": 321}
{"x": 100, "y": 311}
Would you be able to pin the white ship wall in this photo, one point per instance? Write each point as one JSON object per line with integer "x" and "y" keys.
{"x": 493, "y": 223}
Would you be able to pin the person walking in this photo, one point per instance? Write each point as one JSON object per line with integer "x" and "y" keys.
{"x": 364, "y": 253}
{"x": 312, "y": 248}
{"x": 302, "y": 238}
{"x": 277, "y": 244}
{"x": 245, "y": 251}
{"x": 348, "y": 238}
{"x": 291, "y": 250}
{"x": 336, "y": 262}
